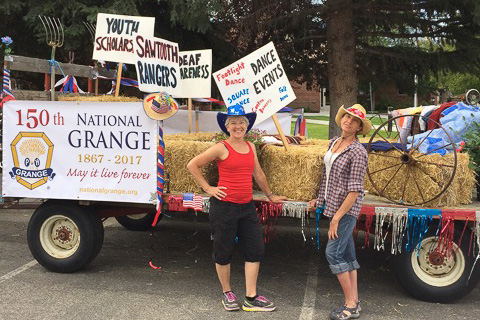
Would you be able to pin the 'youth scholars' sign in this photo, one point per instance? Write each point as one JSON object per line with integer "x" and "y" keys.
{"x": 257, "y": 82}
{"x": 157, "y": 65}
{"x": 115, "y": 34}
{"x": 195, "y": 73}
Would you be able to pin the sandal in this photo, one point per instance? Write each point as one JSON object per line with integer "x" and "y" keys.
{"x": 342, "y": 315}
{"x": 338, "y": 310}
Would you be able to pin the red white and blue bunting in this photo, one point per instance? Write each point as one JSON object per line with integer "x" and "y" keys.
{"x": 6, "y": 88}
{"x": 69, "y": 84}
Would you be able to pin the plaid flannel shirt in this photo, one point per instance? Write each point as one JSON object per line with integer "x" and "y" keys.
{"x": 346, "y": 175}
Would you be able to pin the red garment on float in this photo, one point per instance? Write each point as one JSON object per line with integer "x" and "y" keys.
{"x": 437, "y": 114}
{"x": 236, "y": 173}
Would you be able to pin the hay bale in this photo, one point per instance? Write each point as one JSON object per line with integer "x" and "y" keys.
{"x": 429, "y": 177}
{"x": 199, "y": 136}
{"x": 177, "y": 155}
{"x": 102, "y": 98}
{"x": 295, "y": 173}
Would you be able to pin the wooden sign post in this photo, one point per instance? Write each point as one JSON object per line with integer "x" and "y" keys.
{"x": 119, "y": 77}
{"x": 280, "y": 131}
{"x": 189, "y": 103}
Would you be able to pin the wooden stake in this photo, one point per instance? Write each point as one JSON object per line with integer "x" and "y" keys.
{"x": 189, "y": 115}
{"x": 280, "y": 131}
{"x": 52, "y": 76}
{"x": 96, "y": 86}
{"x": 119, "y": 77}
{"x": 197, "y": 116}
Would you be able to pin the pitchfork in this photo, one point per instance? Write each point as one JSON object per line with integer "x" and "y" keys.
{"x": 54, "y": 36}
{"x": 91, "y": 27}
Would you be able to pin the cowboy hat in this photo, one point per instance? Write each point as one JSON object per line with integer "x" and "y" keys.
{"x": 236, "y": 110}
{"x": 357, "y": 111}
{"x": 160, "y": 106}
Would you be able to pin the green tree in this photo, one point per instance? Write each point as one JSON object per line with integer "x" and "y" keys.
{"x": 346, "y": 40}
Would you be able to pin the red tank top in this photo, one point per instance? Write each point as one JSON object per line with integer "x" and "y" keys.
{"x": 236, "y": 173}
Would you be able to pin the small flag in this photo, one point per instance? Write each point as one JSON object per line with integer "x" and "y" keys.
{"x": 192, "y": 201}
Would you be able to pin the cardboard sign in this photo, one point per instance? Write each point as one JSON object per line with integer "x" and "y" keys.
{"x": 156, "y": 61}
{"x": 257, "y": 82}
{"x": 79, "y": 150}
{"x": 115, "y": 34}
{"x": 195, "y": 74}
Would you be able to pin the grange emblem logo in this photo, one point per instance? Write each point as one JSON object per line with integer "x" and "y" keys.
{"x": 32, "y": 157}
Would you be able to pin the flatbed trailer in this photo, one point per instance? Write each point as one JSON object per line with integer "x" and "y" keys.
{"x": 66, "y": 235}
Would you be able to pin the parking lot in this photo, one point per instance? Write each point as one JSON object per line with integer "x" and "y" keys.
{"x": 119, "y": 283}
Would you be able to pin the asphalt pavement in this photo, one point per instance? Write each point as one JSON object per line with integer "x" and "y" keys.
{"x": 119, "y": 284}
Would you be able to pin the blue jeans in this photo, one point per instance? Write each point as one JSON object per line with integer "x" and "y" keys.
{"x": 340, "y": 252}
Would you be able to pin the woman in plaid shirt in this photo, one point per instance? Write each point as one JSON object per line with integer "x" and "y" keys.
{"x": 341, "y": 194}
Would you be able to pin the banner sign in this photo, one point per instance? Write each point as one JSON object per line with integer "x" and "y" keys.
{"x": 115, "y": 35}
{"x": 79, "y": 150}
{"x": 156, "y": 61}
{"x": 257, "y": 82}
{"x": 195, "y": 74}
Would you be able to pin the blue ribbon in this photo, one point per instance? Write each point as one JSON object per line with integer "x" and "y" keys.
{"x": 54, "y": 64}
{"x": 318, "y": 213}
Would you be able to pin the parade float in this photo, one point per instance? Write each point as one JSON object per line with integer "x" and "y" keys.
{"x": 88, "y": 160}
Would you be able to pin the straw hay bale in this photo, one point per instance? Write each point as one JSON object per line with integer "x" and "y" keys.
{"x": 199, "y": 136}
{"x": 404, "y": 182}
{"x": 177, "y": 155}
{"x": 295, "y": 173}
{"x": 102, "y": 98}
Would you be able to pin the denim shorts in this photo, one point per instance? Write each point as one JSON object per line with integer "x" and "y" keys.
{"x": 229, "y": 220}
{"x": 340, "y": 252}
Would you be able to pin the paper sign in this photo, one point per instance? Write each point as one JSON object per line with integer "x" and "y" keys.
{"x": 157, "y": 65}
{"x": 115, "y": 34}
{"x": 257, "y": 82}
{"x": 79, "y": 150}
{"x": 195, "y": 74}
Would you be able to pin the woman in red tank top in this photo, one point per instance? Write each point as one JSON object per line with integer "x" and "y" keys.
{"x": 232, "y": 211}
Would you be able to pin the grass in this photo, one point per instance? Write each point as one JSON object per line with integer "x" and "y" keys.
{"x": 376, "y": 121}
{"x": 315, "y": 131}
{"x": 320, "y": 131}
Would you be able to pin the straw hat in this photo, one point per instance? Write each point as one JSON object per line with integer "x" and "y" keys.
{"x": 160, "y": 106}
{"x": 357, "y": 111}
{"x": 236, "y": 110}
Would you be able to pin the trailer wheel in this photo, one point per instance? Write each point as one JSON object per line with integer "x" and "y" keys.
{"x": 137, "y": 222}
{"x": 432, "y": 276}
{"x": 64, "y": 237}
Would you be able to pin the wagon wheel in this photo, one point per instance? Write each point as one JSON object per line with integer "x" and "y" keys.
{"x": 395, "y": 173}
{"x": 472, "y": 97}
{"x": 389, "y": 132}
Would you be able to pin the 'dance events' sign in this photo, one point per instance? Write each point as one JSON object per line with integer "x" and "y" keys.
{"x": 157, "y": 64}
{"x": 195, "y": 74}
{"x": 115, "y": 35}
{"x": 257, "y": 82}
{"x": 73, "y": 150}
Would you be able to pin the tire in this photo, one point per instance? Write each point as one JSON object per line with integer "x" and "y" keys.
{"x": 430, "y": 276}
{"x": 138, "y": 222}
{"x": 82, "y": 234}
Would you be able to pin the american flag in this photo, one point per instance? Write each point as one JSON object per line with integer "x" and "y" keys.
{"x": 192, "y": 201}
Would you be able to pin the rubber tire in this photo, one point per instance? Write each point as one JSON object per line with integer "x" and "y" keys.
{"x": 402, "y": 267}
{"x": 91, "y": 236}
{"x": 142, "y": 224}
